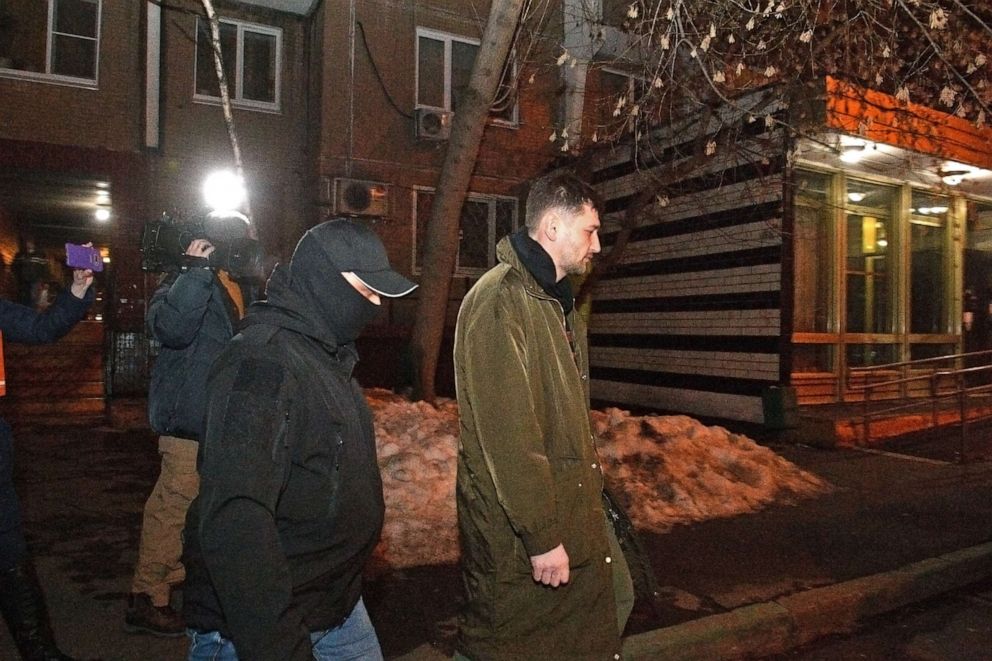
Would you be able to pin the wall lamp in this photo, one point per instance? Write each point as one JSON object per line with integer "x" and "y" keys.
{"x": 953, "y": 177}
{"x": 852, "y": 153}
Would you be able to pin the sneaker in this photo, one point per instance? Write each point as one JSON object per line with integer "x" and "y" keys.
{"x": 143, "y": 617}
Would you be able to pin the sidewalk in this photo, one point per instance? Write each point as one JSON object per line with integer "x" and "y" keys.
{"x": 895, "y": 530}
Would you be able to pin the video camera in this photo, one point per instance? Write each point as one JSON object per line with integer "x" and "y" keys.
{"x": 164, "y": 242}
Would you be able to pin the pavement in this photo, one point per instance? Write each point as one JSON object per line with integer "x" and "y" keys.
{"x": 903, "y": 524}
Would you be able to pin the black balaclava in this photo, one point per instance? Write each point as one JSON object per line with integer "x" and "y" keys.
{"x": 329, "y": 299}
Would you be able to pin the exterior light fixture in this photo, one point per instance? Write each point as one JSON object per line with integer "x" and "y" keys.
{"x": 102, "y": 214}
{"x": 856, "y": 196}
{"x": 953, "y": 177}
{"x": 852, "y": 153}
{"x": 224, "y": 191}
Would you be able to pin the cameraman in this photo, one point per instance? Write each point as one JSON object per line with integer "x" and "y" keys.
{"x": 193, "y": 314}
{"x": 21, "y": 599}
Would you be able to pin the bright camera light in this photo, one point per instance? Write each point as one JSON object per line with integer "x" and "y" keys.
{"x": 224, "y": 191}
{"x": 102, "y": 214}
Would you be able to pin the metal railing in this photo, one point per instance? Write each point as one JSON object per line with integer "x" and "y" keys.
{"x": 956, "y": 383}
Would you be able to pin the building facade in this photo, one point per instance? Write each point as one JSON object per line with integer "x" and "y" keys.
{"x": 849, "y": 235}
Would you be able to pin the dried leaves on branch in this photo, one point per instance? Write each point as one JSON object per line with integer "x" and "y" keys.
{"x": 933, "y": 53}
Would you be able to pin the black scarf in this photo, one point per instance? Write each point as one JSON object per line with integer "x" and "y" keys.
{"x": 537, "y": 260}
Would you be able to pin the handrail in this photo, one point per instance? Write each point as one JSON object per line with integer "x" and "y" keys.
{"x": 920, "y": 361}
{"x": 960, "y": 390}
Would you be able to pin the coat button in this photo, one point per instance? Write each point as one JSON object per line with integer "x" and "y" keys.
{"x": 594, "y": 464}
{"x": 585, "y": 376}
{"x": 580, "y": 484}
{"x": 609, "y": 559}
{"x": 616, "y": 656}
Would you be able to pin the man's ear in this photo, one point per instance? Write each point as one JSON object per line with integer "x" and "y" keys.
{"x": 549, "y": 225}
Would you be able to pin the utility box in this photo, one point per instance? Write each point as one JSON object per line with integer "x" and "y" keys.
{"x": 779, "y": 406}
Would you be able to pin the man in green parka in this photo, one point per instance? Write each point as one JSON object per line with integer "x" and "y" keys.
{"x": 544, "y": 575}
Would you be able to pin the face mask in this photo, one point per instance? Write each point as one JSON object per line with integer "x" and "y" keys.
{"x": 351, "y": 311}
{"x": 331, "y": 302}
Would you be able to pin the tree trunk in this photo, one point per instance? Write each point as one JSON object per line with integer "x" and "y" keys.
{"x": 225, "y": 103}
{"x": 441, "y": 236}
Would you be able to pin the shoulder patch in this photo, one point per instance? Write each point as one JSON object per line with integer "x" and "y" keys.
{"x": 259, "y": 377}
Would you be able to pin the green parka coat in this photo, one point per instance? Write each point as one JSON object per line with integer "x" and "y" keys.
{"x": 528, "y": 476}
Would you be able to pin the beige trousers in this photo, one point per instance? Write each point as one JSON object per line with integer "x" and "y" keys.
{"x": 159, "y": 554}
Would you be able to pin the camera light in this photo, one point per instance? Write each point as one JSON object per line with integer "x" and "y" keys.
{"x": 224, "y": 191}
{"x": 102, "y": 214}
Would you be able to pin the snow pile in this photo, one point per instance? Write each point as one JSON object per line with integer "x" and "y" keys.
{"x": 673, "y": 469}
{"x": 664, "y": 469}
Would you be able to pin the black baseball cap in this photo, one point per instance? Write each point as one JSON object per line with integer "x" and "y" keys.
{"x": 353, "y": 246}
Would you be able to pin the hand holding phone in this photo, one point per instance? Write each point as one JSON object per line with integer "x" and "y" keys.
{"x": 83, "y": 257}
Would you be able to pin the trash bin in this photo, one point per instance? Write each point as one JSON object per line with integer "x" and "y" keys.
{"x": 779, "y": 407}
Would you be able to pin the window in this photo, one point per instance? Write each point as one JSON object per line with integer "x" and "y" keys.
{"x": 813, "y": 264}
{"x": 251, "y": 57}
{"x": 869, "y": 262}
{"x": 485, "y": 220}
{"x": 57, "y": 39}
{"x": 929, "y": 263}
{"x": 612, "y": 95}
{"x": 444, "y": 65}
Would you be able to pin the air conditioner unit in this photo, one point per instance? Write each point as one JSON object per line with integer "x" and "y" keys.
{"x": 360, "y": 198}
{"x": 432, "y": 124}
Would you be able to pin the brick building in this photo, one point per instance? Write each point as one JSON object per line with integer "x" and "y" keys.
{"x": 340, "y": 107}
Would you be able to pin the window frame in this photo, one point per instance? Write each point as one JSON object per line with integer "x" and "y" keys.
{"x": 447, "y": 38}
{"x": 56, "y": 78}
{"x": 236, "y": 94}
{"x": 488, "y": 198}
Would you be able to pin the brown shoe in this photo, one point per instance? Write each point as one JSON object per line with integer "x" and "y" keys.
{"x": 143, "y": 617}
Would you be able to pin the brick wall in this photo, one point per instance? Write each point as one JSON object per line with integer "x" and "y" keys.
{"x": 108, "y": 116}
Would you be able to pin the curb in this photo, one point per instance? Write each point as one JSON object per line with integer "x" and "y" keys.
{"x": 776, "y": 626}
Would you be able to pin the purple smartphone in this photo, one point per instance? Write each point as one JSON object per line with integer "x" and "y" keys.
{"x": 83, "y": 257}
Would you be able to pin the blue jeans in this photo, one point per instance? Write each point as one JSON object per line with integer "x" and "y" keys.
{"x": 354, "y": 639}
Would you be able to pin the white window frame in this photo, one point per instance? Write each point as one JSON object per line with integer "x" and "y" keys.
{"x": 491, "y": 201}
{"x": 448, "y": 38}
{"x": 47, "y": 76}
{"x": 237, "y": 85}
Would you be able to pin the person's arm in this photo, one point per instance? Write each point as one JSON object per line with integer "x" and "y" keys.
{"x": 509, "y": 432}
{"x": 177, "y": 309}
{"x": 20, "y": 323}
{"x": 243, "y": 464}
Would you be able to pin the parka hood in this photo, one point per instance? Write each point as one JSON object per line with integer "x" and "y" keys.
{"x": 310, "y": 296}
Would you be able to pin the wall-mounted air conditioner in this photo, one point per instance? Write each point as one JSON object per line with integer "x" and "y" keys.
{"x": 353, "y": 197}
{"x": 432, "y": 124}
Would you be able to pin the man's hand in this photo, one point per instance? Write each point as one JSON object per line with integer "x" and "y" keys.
{"x": 199, "y": 248}
{"x": 551, "y": 568}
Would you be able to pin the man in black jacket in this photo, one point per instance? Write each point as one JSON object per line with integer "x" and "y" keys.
{"x": 290, "y": 503}
{"x": 21, "y": 600}
{"x": 193, "y": 314}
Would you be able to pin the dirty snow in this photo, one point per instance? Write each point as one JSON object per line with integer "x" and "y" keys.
{"x": 665, "y": 469}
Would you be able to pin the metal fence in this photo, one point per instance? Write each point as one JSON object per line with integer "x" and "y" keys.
{"x": 952, "y": 389}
